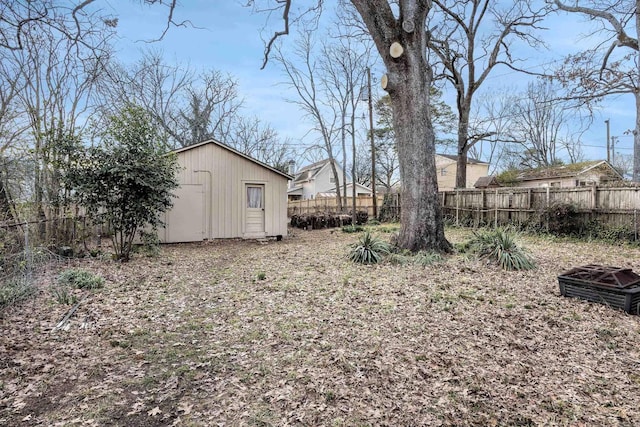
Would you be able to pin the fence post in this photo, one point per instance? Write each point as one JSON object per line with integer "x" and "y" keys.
{"x": 484, "y": 206}
{"x": 457, "y": 206}
{"x": 548, "y": 197}
{"x": 495, "y": 218}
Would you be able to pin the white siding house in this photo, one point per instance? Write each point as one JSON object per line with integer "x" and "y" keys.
{"x": 225, "y": 194}
{"x": 317, "y": 179}
{"x": 447, "y": 167}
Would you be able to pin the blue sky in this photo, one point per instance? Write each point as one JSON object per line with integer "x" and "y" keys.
{"x": 227, "y": 37}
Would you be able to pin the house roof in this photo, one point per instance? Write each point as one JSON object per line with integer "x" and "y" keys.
{"x": 359, "y": 187}
{"x": 486, "y": 181}
{"x": 566, "y": 171}
{"x": 226, "y": 147}
{"x": 295, "y": 191}
{"x": 310, "y": 171}
{"x": 470, "y": 160}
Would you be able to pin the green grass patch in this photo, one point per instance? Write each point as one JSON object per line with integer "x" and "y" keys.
{"x": 81, "y": 279}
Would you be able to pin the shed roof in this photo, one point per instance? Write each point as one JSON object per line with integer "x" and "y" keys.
{"x": 486, "y": 182}
{"x": 234, "y": 151}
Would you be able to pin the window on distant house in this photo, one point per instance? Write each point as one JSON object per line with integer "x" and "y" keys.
{"x": 332, "y": 180}
{"x": 443, "y": 172}
{"x": 555, "y": 184}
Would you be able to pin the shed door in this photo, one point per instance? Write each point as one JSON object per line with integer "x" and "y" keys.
{"x": 254, "y": 210}
{"x": 185, "y": 220}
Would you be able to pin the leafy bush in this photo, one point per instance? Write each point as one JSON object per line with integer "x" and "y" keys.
{"x": 128, "y": 180}
{"x": 611, "y": 234}
{"x": 499, "y": 246}
{"x": 81, "y": 279}
{"x": 563, "y": 219}
{"x": 508, "y": 178}
{"x": 369, "y": 249}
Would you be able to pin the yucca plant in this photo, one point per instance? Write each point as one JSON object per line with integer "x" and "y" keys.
{"x": 369, "y": 249}
{"x": 500, "y": 246}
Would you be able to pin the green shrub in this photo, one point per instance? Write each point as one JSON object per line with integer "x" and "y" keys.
{"x": 499, "y": 246}
{"x": 369, "y": 249}
{"x": 262, "y": 276}
{"x": 81, "y": 279}
{"x": 563, "y": 219}
{"x": 14, "y": 291}
{"x": 508, "y": 178}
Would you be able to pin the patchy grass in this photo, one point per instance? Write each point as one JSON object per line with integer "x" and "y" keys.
{"x": 293, "y": 333}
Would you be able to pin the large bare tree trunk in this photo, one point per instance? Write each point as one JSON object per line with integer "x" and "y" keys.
{"x": 463, "y": 149}
{"x": 636, "y": 131}
{"x": 409, "y": 79}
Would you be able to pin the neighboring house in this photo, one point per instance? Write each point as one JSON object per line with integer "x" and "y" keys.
{"x": 317, "y": 180}
{"x": 447, "y": 167}
{"x": 573, "y": 175}
{"x": 225, "y": 194}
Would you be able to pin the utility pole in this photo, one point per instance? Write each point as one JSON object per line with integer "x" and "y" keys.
{"x": 373, "y": 147}
{"x": 608, "y": 139}
{"x": 614, "y": 139}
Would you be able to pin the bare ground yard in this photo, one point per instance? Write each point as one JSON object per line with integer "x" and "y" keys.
{"x": 195, "y": 338}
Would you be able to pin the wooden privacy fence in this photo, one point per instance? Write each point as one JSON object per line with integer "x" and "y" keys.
{"x": 615, "y": 207}
{"x": 330, "y": 205}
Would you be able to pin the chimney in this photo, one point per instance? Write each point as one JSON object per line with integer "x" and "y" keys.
{"x": 291, "y": 170}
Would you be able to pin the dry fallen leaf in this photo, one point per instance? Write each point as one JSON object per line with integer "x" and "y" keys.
{"x": 153, "y": 412}
{"x": 185, "y": 408}
{"x": 323, "y": 341}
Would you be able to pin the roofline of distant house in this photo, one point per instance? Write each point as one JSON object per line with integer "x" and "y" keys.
{"x": 570, "y": 174}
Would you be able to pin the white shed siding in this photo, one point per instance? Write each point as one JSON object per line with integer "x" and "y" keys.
{"x": 225, "y": 189}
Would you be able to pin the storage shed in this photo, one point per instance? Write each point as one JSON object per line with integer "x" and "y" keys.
{"x": 225, "y": 194}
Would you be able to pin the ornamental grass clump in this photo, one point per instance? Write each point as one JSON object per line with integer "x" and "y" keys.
{"x": 80, "y": 279}
{"x": 500, "y": 247}
{"x": 369, "y": 249}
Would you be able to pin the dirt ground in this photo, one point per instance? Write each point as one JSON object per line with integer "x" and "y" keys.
{"x": 243, "y": 333}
